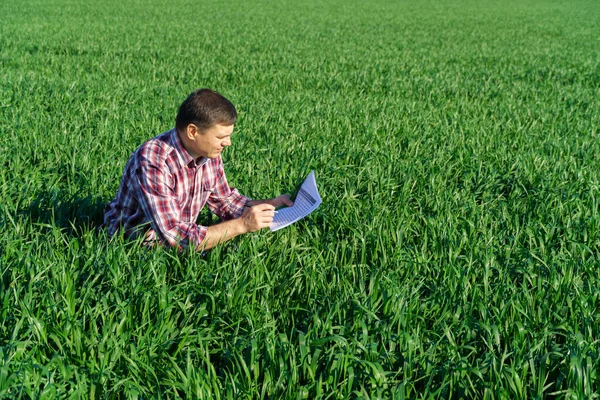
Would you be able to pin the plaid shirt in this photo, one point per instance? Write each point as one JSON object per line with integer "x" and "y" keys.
{"x": 163, "y": 190}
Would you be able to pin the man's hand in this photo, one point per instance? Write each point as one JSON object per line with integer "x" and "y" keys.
{"x": 283, "y": 200}
{"x": 258, "y": 214}
{"x": 257, "y": 217}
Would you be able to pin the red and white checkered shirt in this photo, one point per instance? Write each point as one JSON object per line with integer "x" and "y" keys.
{"x": 163, "y": 190}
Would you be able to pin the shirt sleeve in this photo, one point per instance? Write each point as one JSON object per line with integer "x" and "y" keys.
{"x": 154, "y": 187}
{"x": 224, "y": 201}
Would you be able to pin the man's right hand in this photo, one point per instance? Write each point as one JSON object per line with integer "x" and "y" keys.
{"x": 257, "y": 217}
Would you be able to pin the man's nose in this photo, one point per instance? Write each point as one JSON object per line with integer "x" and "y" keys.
{"x": 227, "y": 142}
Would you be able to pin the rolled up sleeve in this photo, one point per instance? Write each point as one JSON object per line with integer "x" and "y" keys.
{"x": 224, "y": 201}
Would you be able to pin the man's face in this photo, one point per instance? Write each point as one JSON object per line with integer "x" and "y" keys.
{"x": 211, "y": 142}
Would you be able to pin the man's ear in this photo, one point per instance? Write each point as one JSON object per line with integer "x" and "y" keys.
{"x": 191, "y": 131}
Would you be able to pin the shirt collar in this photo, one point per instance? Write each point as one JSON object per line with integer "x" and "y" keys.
{"x": 184, "y": 155}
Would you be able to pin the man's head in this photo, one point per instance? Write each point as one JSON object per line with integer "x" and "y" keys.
{"x": 205, "y": 108}
{"x": 205, "y": 123}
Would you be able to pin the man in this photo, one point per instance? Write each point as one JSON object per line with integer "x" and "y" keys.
{"x": 169, "y": 179}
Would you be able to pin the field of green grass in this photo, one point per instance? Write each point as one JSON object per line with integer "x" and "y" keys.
{"x": 457, "y": 250}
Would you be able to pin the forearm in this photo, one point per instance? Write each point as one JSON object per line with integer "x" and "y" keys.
{"x": 222, "y": 232}
{"x": 258, "y": 216}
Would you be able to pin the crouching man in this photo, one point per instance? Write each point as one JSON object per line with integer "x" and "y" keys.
{"x": 170, "y": 178}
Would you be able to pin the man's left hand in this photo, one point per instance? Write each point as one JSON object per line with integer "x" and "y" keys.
{"x": 283, "y": 200}
{"x": 279, "y": 201}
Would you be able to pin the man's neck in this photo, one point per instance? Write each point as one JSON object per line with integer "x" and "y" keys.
{"x": 186, "y": 146}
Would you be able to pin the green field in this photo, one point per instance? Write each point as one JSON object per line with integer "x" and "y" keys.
{"x": 457, "y": 250}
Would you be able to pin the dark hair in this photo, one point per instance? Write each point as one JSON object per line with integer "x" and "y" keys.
{"x": 205, "y": 108}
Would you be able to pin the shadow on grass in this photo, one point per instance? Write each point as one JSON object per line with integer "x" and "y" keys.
{"x": 70, "y": 212}
{"x": 75, "y": 214}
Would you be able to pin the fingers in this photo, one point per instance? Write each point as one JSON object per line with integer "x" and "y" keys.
{"x": 265, "y": 216}
{"x": 265, "y": 207}
{"x": 260, "y": 207}
{"x": 286, "y": 200}
{"x": 258, "y": 217}
{"x": 283, "y": 200}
